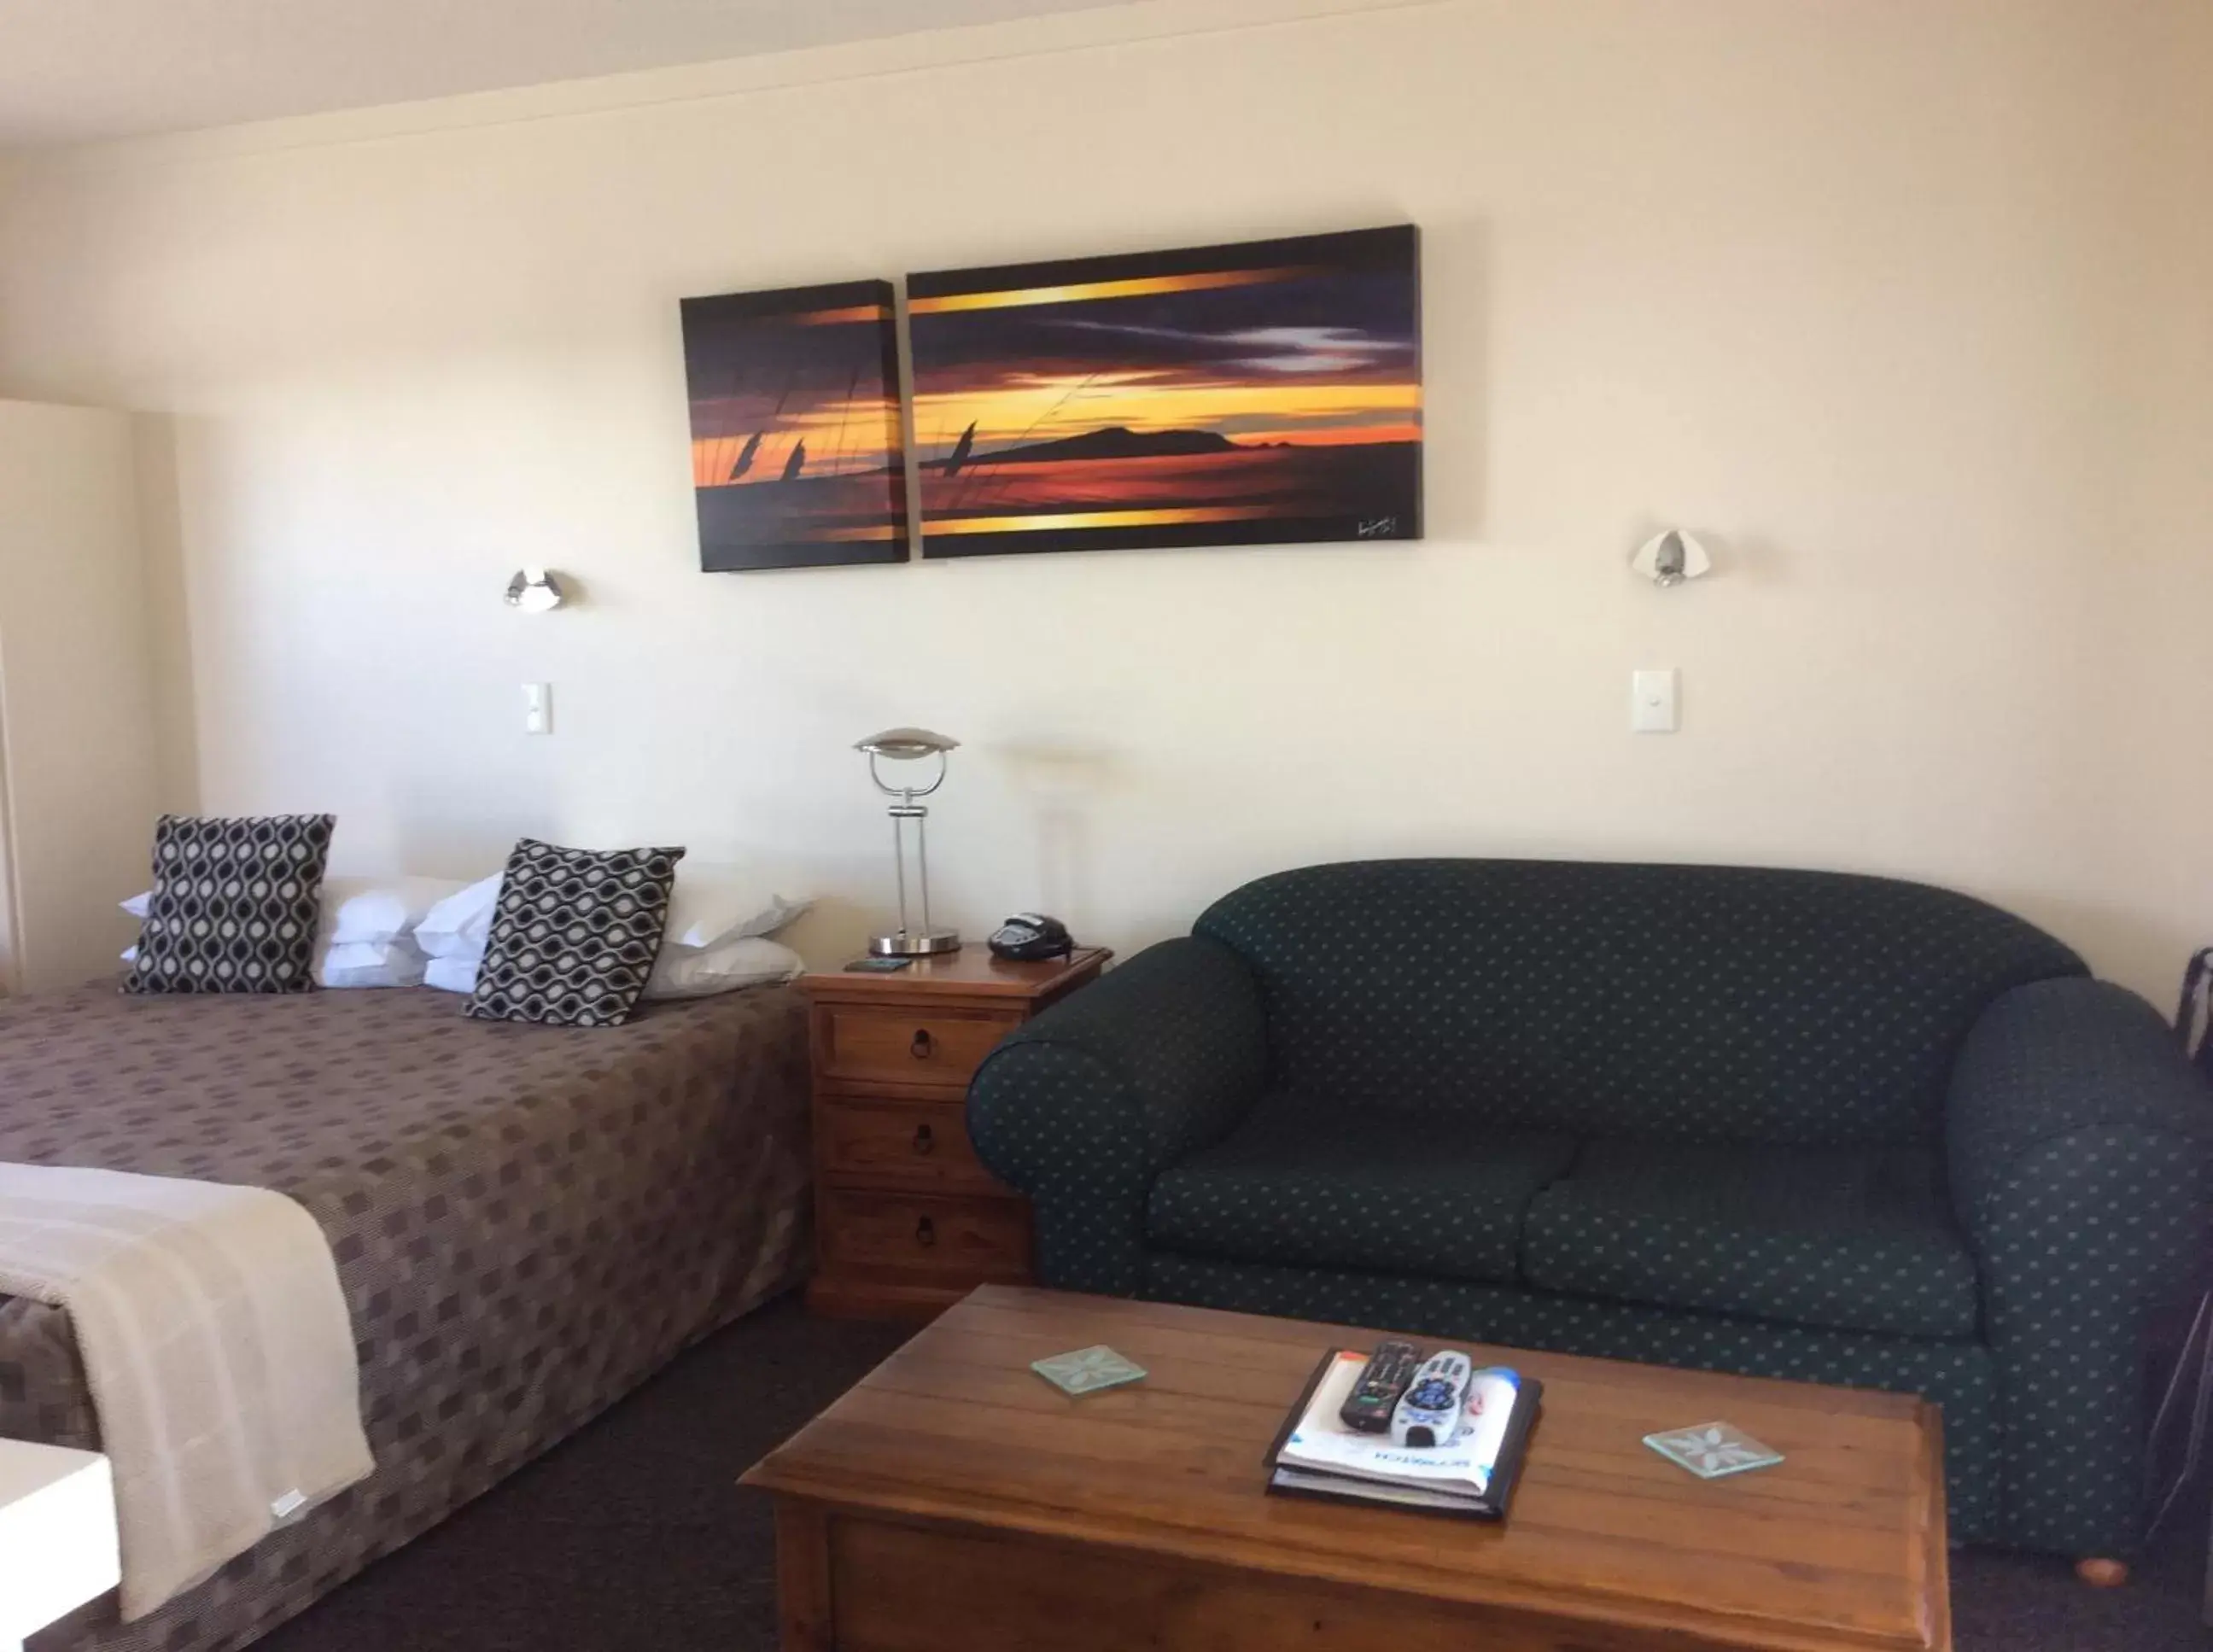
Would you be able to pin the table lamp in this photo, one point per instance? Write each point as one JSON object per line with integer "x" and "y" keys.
{"x": 910, "y": 746}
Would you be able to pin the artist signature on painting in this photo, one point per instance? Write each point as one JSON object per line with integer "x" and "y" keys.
{"x": 1377, "y": 528}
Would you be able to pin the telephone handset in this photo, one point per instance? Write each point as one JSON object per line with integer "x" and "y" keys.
{"x": 1027, "y": 936}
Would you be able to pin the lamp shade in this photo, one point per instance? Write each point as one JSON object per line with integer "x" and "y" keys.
{"x": 903, "y": 745}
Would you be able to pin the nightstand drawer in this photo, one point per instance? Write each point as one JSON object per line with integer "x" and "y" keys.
{"x": 906, "y": 1219}
{"x": 874, "y": 1044}
{"x": 977, "y": 1238}
{"x": 922, "y": 1143}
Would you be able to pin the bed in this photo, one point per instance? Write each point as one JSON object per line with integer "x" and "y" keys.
{"x": 528, "y": 1222}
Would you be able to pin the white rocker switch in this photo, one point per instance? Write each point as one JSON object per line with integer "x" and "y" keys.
{"x": 1654, "y": 697}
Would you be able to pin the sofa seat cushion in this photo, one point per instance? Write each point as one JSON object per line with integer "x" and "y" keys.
{"x": 1325, "y": 1186}
{"x": 1845, "y": 1239}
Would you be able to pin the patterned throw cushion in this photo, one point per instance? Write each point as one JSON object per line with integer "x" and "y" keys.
{"x": 574, "y": 935}
{"x": 234, "y": 906}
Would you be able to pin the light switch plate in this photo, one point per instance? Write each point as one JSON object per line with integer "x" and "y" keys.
{"x": 1655, "y": 701}
{"x": 538, "y": 708}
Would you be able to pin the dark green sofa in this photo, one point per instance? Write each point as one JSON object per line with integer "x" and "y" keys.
{"x": 1792, "y": 1124}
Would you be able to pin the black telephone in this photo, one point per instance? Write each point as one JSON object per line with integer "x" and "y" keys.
{"x": 1027, "y": 936}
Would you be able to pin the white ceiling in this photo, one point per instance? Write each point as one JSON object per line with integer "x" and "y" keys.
{"x": 80, "y": 70}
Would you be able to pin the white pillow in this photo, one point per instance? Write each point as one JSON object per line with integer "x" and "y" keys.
{"x": 714, "y": 904}
{"x": 457, "y": 926}
{"x": 677, "y": 972}
{"x": 451, "y": 974}
{"x": 365, "y": 963}
{"x": 702, "y": 971}
{"x": 378, "y": 910}
{"x": 372, "y": 911}
{"x": 359, "y": 963}
{"x": 710, "y": 906}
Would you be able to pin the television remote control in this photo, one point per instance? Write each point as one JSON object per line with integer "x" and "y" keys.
{"x": 1428, "y": 1412}
{"x": 1368, "y": 1408}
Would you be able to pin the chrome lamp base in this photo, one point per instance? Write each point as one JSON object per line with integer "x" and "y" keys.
{"x": 914, "y": 943}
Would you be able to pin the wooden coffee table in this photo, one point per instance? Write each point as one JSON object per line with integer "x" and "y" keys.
{"x": 955, "y": 1501}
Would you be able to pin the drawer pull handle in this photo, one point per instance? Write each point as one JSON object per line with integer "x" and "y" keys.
{"x": 925, "y": 1139}
{"x": 925, "y": 1232}
{"x": 923, "y": 1043}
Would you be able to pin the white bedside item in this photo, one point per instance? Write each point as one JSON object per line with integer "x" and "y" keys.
{"x": 57, "y": 1542}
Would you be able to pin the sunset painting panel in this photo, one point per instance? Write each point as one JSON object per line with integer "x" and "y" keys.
{"x": 1263, "y": 394}
{"x": 796, "y": 460}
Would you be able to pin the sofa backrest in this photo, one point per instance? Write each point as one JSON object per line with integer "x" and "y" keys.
{"x": 1723, "y": 1004}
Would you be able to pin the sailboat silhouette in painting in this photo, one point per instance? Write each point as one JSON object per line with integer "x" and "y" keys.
{"x": 1265, "y": 392}
{"x": 796, "y": 430}
{"x": 745, "y": 457}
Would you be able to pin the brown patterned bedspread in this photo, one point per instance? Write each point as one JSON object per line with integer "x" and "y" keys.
{"x": 528, "y": 1221}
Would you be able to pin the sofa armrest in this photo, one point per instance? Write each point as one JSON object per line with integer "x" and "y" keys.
{"x": 2077, "y": 1138}
{"x": 2054, "y": 1072}
{"x": 1084, "y": 1105}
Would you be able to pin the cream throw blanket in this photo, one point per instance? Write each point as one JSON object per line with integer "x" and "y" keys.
{"x": 217, "y": 1347}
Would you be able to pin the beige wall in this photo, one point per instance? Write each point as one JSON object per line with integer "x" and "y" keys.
{"x": 2158, "y": 818}
{"x": 1904, "y": 302}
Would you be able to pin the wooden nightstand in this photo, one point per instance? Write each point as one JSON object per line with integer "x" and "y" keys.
{"x": 906, "y": 1220}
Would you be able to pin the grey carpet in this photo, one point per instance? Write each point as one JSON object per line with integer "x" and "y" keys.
{"x": 634, "y": 1536}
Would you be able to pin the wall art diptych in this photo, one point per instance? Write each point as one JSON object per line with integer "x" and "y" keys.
{"x": 796, "y": 460}
{"x": 1264, "y": 392}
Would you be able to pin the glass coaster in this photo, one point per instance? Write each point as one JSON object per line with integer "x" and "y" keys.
{"x": 1712, "y": 1450}
{"x": 1087, "y": 1370}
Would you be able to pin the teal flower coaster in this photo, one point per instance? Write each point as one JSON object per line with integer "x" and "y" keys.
{"x": 1087, "y": 1370}
{"x": 1712, "y": 1450}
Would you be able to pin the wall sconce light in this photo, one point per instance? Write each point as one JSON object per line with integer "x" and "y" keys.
{"x": 1671, "y": 557}
{"x": 535, "y": 590}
